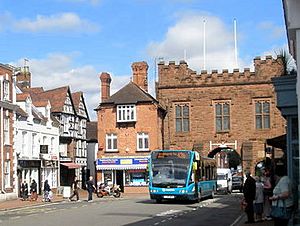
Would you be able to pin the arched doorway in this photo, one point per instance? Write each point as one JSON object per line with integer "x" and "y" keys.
{"x": 226, "y": 158}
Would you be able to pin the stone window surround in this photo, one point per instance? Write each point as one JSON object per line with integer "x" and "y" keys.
{"x": 262, "y": 99}
{"x": 184, "y": 103}
{"x": 223, "y": 101}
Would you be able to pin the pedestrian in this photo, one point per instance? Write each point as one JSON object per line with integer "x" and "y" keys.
{"x": 47, "y": 191}
{"x": 259, "y": 199}
{"x": 268, "y": 192}
{"x": 24, "y": 191}
{"x": 33, "y": 191}
{"x": 75, "y": 189}
{"x": 90, "y": 188}
{"x": 249, "y": 196}
{"x": 282, "y": 196}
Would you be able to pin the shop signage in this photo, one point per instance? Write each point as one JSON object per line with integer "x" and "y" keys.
{"x": 122, "y": 161}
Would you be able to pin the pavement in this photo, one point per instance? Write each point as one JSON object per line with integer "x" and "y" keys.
{"x": 18, "y": 203}
{"x": 243, "y": 218}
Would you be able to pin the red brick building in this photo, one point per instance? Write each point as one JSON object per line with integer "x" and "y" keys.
{"x": 8, "y": 182}
{"x": 130, "y": 126}
{"x": 211, "y": 111}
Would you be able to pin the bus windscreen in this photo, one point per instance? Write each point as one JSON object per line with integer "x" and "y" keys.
{"x": 170, "y": 169}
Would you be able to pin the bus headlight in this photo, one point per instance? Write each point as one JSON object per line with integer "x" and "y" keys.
{"x": 193, "y": 189}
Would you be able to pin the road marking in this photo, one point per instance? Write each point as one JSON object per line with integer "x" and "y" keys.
{"x": 169, "y": 212}
{"x": 14, "y": 218}
{"x": 237, "y": 220}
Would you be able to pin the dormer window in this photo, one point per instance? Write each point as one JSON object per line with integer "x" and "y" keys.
{"x": 126, "y": 113}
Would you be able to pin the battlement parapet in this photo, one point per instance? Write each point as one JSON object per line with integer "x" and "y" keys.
{"x": 264, "y": 70}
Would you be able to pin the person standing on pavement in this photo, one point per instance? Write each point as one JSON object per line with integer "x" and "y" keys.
{"x": 75, "y": 189}
{"x": 259, "y": 199}
{"x": 268, "y": 192}
{"x": 90, "y": 188}
{"x": 33, "y": 190}
{"x": 47, "y": 190}
{"x": 24, "y": 191}
{"x": 249, "y": 196}
{"x": 282, "y": 195}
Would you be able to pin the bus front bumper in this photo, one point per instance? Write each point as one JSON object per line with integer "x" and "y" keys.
{"x": 172, "y": 197}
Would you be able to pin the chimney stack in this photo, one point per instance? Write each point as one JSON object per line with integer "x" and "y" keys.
{"x": 140, "y": 74}
{"x": 105, "y": 86}
{"x": 24, "y": 78}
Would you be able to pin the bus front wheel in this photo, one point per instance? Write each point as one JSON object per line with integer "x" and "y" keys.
{"x": 158, "y": 201}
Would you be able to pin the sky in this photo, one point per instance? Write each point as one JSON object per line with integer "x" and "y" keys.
{"x": 70, "y": 42}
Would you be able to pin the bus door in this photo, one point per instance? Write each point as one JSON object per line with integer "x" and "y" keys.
{"x": 195, "y": 175}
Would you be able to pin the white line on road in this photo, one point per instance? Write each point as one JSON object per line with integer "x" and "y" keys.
{"x": 237, "y": 220}
{"x": 169, "y": 212}
{"x": 16, "y": 217}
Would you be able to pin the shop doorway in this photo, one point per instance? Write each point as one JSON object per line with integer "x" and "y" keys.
{"x": 120, "y": 179}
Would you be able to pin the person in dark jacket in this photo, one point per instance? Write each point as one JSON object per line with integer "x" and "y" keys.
{"x": 33, "y": 190}
{"x": 90, "y": 188}
{"x": 75, "y": 189}
{"x": 249, "y": 196}
{"x": 24, "y": 191}
{"x": 47, "y": 190}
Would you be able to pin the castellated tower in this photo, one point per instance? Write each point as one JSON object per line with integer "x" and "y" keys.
{"x": 105, "y": 86}
{"x": 140, "y": 74}
{"x": 217, "y": 109}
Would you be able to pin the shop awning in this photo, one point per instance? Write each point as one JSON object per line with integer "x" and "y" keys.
{"x": 70, "y": 165}
{"x": 278, "y": 142}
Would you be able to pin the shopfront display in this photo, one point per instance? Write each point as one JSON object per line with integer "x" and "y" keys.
{"x": 126, "y": 172}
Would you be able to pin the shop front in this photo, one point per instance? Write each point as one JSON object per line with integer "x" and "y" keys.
{"x": 130, "y": 173}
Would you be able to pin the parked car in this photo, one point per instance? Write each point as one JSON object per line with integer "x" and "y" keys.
{"x": 237, "y": 183}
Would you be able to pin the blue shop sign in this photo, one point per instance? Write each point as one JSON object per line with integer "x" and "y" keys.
{"x": 122, "y": 161}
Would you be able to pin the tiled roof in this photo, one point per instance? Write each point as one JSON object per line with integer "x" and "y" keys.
{"x": 130, "y": 94}
{"x": 56, "y": 97}
{"x": 76, "y": 100}
{"x": 33, "y": 89}
{"x": 22, "y": 96}
{"x": 40, "y": 103}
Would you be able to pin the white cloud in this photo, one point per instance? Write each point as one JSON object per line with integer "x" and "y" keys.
{"x": 57, "y": 70}
{"x": 274, "y": 31}
{"x": 63, "y": 22}
{"x": 187, "y": 35}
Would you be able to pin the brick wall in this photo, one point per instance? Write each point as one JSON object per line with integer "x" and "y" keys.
{"x": 179, "y": 84}
{"x": 8, "y": 153}
{"x": 127, "y": 132}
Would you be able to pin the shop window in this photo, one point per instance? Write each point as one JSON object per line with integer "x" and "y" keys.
{"x": 143, "y": 142}
{"x": 111, "y": 143}
{"x": 136, "y": 177}
{"x": 262, "y": 114}
{"x": 182, "y": 117}
{"x": 108, "y": 176}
